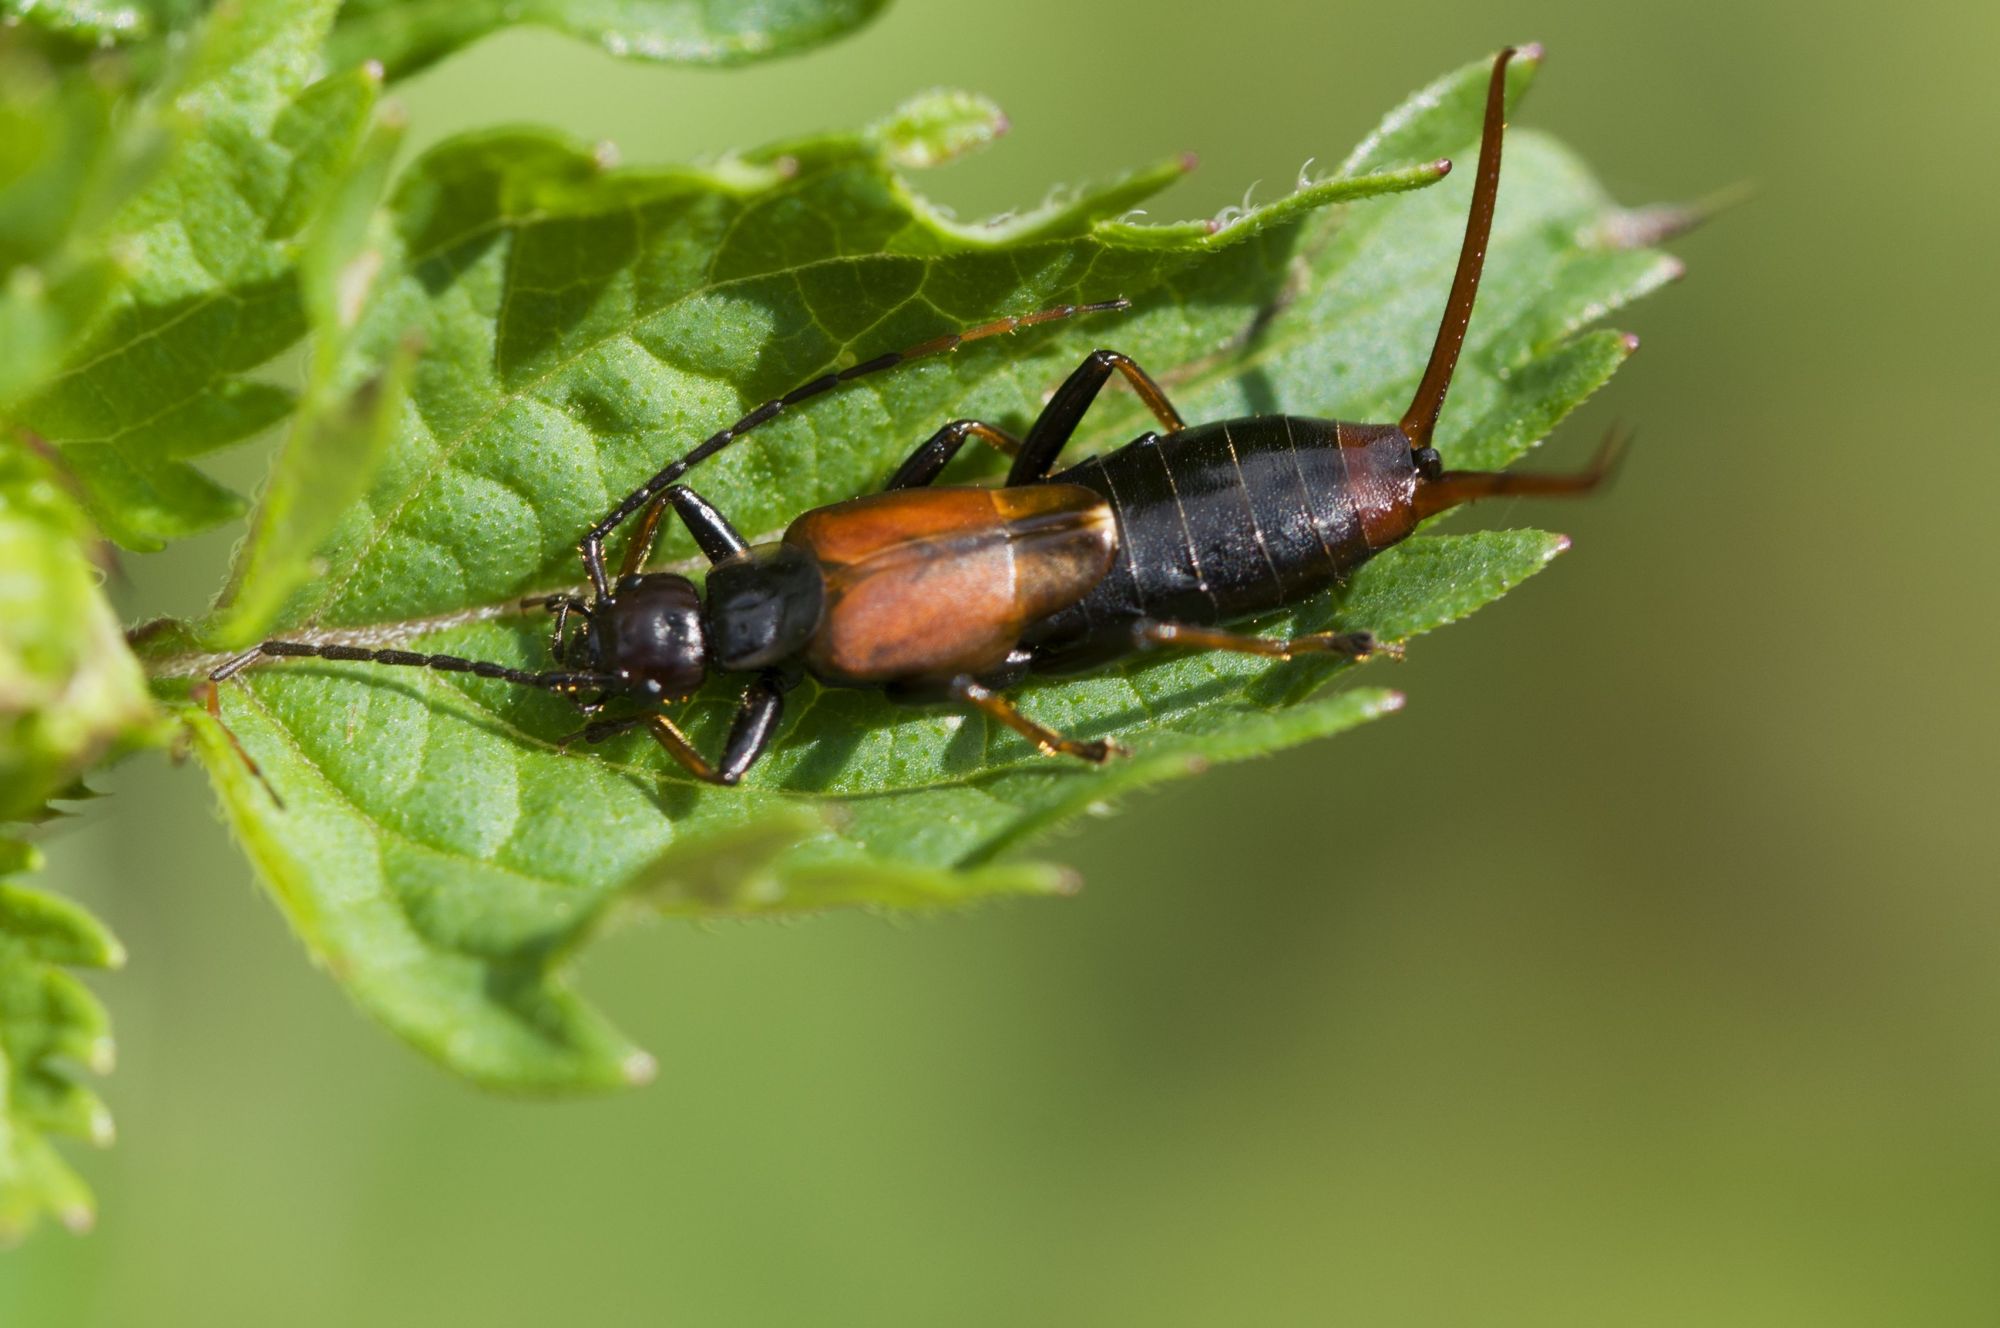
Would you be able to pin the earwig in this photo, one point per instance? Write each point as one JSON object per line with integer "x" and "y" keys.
{"x": 952, "y": 593}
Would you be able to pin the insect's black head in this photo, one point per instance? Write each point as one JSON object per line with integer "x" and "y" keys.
{"x": 647, "y": 633}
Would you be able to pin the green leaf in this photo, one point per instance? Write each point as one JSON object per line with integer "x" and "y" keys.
{"x": 51, "y": 1026}
{"x": 441, "y": 854}
{"x": 70, "y": 691}
{"x": 87, "y": 22}
{"x": 406, "y": 35}
{"x": 336, "y": 442}
{"x": 212, "y": 295}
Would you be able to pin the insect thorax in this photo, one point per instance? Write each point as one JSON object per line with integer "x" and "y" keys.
{"x": 763, "y": 606}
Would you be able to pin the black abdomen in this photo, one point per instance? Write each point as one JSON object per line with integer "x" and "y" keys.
{"x": 1216, "y": 523}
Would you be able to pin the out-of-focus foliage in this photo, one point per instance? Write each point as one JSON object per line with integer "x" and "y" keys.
{"x": 406, "y": 35}
{"x": 70, "y": 692}
{"x": 59, "y": 163}
{"x": 70, "y": 695}
{"x": 50, "y": 1027}
{"x": 209, "y": 245}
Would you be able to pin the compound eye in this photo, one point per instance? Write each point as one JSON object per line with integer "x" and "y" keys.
{"x": 1429, "y": 464}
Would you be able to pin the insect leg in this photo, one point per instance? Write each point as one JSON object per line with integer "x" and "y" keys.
{"x": 752, "y": 729}
{"x": 592, "y": 545}
{"x": 1011, "y": 671}
{"x": 1149, "y": 633}
{"x": 749, "y": 734}
{"x": 641, "y": 547}
{"x": 928, "y": 462}
{"x": 995, "y": 706}
{"x": 711, "y": 529}
{"x": 1058, "y": 420}
{"x": 703, "y": 521}
{"x": 210, "y": 697}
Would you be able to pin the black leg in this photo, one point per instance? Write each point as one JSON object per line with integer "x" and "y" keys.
{"x": 592, "y": 545}
{"x": 710, "y": 528}
{"x": 749, "y": 733}
{"x": 995, "y": 706}
{"x": 1150, "y": 634}
{"x": 712, "y": 531}
{"x": 928, "y": 462}
{"x": 1058, "y": 420}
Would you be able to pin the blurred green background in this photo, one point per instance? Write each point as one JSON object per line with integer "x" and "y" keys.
{"x": 1646, "y": 970}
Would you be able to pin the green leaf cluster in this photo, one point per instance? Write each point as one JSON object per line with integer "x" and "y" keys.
{"x": 51, "y": 1027}
{"x": 71, "y": 696}
{"x": 170, "y": 369}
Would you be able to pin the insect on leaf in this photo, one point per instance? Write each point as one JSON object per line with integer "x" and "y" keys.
{"x": 439, "y": 850}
